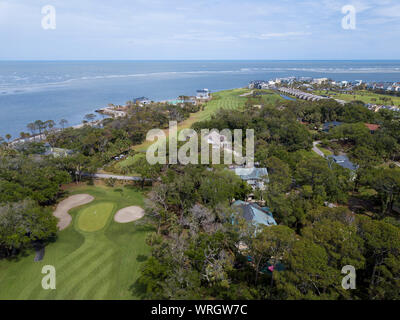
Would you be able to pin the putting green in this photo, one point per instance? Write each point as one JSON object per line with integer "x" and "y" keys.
{"x": 95, "y": 217}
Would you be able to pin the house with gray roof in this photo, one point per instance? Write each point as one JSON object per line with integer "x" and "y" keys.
{"x": 254, "y": 214}
{"x": 255, "y": 177}
{"x": 327, "y": 126}
{"x": 344, "y": 162}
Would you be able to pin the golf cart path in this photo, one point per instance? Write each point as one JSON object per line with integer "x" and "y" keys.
{"x": 316, "y": 150}
{"x": 64, "y": 206}
{"x": 129, "y": 214}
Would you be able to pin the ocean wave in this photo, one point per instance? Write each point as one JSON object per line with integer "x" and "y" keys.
{"x": 7, "y": 88}
{"x": 13, "y": 85}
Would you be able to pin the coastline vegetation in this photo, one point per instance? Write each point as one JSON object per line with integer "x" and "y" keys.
{"x": 187, "y": 246}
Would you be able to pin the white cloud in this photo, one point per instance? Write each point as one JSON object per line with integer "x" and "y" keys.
{"x": 266, "y": 36}
{"x": 390, "y": 12}
{"x": 192, "y": 28}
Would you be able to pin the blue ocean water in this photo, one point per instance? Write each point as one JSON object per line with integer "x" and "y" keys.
{"x": 32, "y": 90}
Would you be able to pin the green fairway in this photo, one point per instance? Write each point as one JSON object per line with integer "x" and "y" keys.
{"x": 362, "y": 95}
{"x": 228, "y": 100}
{"x": 95, "y": 217}
{"x": 222, "y": 100}
{"x": 89, "y": 265}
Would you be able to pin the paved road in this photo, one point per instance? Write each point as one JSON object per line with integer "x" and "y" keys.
{"x": 113, "y": 176}
{"x": 109, "y": 176}
{"x": 316, "y": 150}
{"x": 247, "y": 94}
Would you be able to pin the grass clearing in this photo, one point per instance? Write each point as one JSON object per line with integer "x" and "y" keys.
{"x": 95, "y": 217}
{"x": 326, "y": 152}
{"x": 228, "y": 99}
{"x": 89, "y": 265}
{"x": 362, "y": 95}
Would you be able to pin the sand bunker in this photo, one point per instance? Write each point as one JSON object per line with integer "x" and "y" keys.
{"x": 129, "y": 214}
{"x": 64, "y": 206}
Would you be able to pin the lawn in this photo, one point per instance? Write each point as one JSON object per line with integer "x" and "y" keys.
{"x": 120, "y": 166}
{"x": 95, "y": 217}
{"x": 95, "y": 257}
{"x": 270, "y": 97}
{"x": 362, "y": 95}
{"x": 326, "y": 152}
{"x": 228, "y": 99}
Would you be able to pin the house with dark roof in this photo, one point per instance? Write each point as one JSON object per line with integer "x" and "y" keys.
{"x": 254, "y": 214}
{"x": 142, "y": 101}
{"x": 330, "y": 125}
{"x": 255, "y": 177}
{"x": 343, "y": 161}
{"x": 56, "y": 152}
{"x": 203, "y": 94}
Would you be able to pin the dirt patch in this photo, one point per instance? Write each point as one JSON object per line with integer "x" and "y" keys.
{"x": 129, "y": 214}
{"x": 64, "y": 206}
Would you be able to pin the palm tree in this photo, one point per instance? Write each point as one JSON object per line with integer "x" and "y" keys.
{"x": 63, "y": 123}
{"x": 49, "y": 124}
{"x": 39, "y": 125}
{"x": 8, "y": 137}
{"x": 90, "y": 117}
{"x": 31, "y": 127}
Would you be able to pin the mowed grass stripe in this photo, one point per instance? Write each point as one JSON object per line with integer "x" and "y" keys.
{"x": 102, "y": 292}
{"x": 229, "y": 99}
{"x": 100, "y": 264}
{"x": 79, "y": 280}
{"x": 106, "y": 275}
{"x": 90, "y": 253}
{"x": 64, "y": 271}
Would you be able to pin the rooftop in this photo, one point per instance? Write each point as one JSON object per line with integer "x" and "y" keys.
{"x": 252, "y": 173}
{"x": 255, "y": 214}
{"x": 372, "y": 127}
{"x": 328, "y": 125}
{"x": 344, "y": 162}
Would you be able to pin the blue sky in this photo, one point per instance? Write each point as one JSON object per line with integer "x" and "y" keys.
{"x": 199, "y": 29}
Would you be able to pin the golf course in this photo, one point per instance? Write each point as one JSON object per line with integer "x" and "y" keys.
{"x": 228, "y": 100}
{"x": 233, "y": 99}
{"x": 95, "y": 257}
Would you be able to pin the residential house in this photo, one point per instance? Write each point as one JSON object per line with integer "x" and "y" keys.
{"x": 203, "y": 94}
{"x": 218, "y": 140}
{"x": 320, "y": 80}
{"x": 142, "y": 101}
{"x": 257, "y": 178}
{"x": 372, "y": 127}
{"x": 330, "y": 125}
{"x": 253, "y": 214}
{"x": 343, "y": 161}
{"x": 56, "y": 152}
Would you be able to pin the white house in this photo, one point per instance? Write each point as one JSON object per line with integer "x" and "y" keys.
{"x": 218, "y": 141}
{"x": 257, "y": 178}
{"x": 203, "y": 94}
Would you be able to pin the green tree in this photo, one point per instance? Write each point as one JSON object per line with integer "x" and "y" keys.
{"x": 308, "y": 274}
{"x": 146, "y": 170}
{"x": 270, "y": 245}
{"x": 22, "y": 223}
{"x": 382, "y": 242}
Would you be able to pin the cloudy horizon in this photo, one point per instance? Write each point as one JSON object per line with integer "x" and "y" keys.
{"x": 202, "y": 30}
